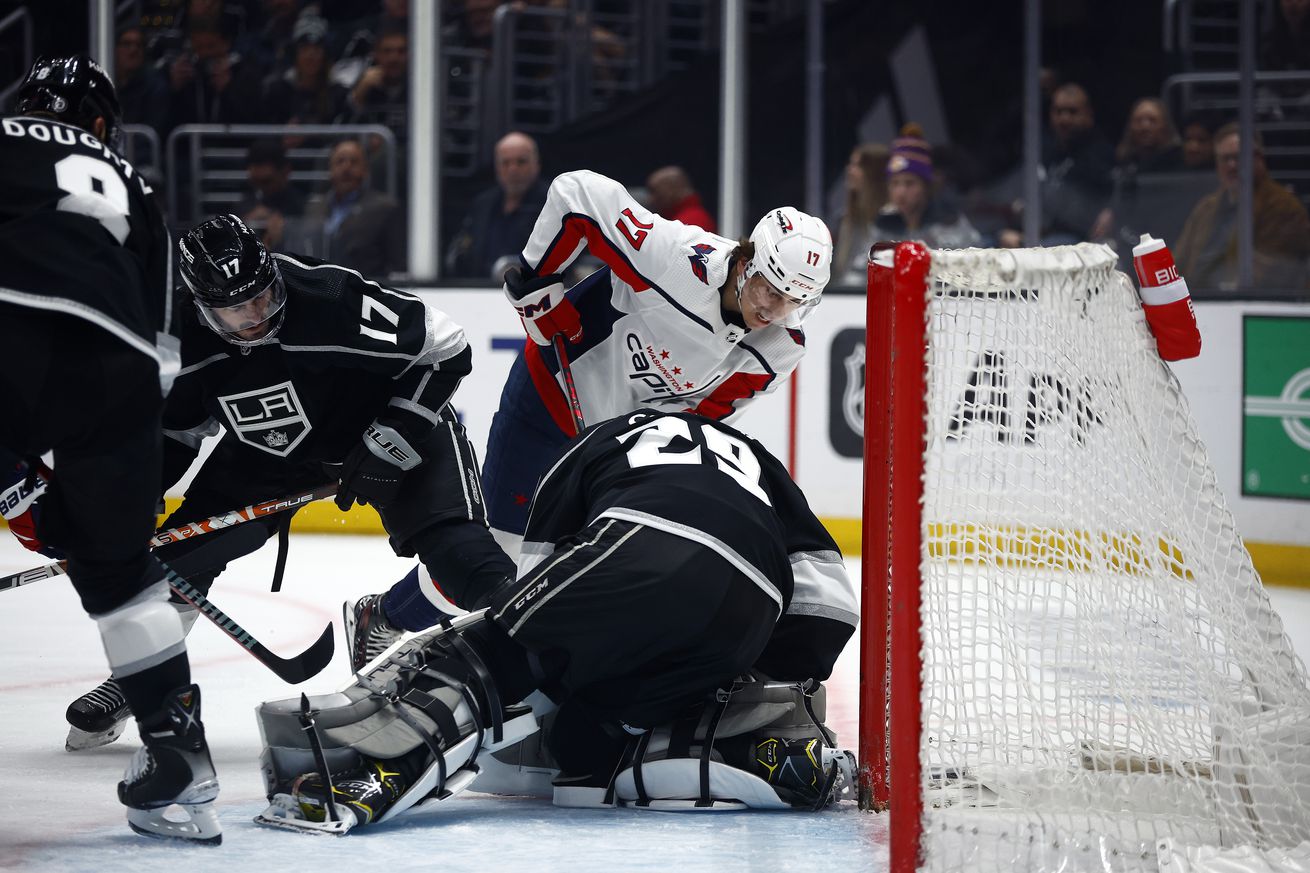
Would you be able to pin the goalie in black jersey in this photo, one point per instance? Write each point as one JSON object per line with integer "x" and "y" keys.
{"x": 671, "y": 574}
{"x": 317, "y": 374}
{"x": 85, "y": 307}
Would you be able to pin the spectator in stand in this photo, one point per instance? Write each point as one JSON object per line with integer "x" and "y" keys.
{"x": 1198, "y": 143}
{"x": 914, "y": 209}
{"x": 1076, "y": 162}
{"x": 673, "y": 197}
{"x": 1207, "y": 250}
{"x": 272, "y": 202}
{"x": 352, "y": 225}
{"x": 381, "y": 96}
{"x": 142, "y": 89}
{"x": 270, "y": 42}
{"x": 209, "y": 83}
{"x": 1150, "y": 144}
{"x": 866, "y": 194}
{"x": 502, "y": 217}
{"x": 304, "y": 94}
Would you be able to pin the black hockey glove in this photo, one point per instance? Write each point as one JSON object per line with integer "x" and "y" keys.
{"x": 374, "y": 469}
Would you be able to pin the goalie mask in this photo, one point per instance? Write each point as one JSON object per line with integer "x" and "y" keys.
{"x": 74, "y": 90}
{"x": 235, "y": 283}
{"x": 793, "y": 254}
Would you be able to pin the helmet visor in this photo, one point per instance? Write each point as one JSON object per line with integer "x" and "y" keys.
{"x": 251, "y": 320}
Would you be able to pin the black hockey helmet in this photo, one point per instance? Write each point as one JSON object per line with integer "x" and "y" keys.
{"x": 75, "y": 90}
{"x": 235, "y": 283}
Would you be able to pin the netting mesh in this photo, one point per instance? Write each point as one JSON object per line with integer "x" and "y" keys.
{"x": 1102, "y": 667}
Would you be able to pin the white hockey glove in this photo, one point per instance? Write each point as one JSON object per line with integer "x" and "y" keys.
{"x": 541, "y": 304}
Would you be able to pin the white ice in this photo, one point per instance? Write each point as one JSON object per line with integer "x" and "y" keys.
{"x": 58, "y": 810}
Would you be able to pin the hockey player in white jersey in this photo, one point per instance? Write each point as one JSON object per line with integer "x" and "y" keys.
{"x": 678, "y": 320}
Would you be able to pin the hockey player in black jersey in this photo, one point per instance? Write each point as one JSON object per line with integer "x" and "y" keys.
{"x": 318, "y": 373}
{"x": 85, "y": 307}
{"x": 666, "y": 555}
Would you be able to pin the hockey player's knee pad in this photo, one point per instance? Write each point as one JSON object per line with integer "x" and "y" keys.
{"x": 141, "y": 633}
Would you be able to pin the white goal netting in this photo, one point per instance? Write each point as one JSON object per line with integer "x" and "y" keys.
{"x": 1102, "y": 670}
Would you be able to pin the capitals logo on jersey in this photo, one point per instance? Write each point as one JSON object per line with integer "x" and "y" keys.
{"x": 700, "y": 260}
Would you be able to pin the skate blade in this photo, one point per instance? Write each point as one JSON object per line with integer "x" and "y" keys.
{"x": 284, "y": 812}
{"x": 200, "y": 826}
{"x": 79, "y": 740}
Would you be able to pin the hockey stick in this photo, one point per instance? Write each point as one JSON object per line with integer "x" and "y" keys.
{"x": 575, "y": 407}
{"x": 187, "y": 531}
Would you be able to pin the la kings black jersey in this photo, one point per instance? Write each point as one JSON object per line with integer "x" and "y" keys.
{"x": 80, "y": 233}
{"x": 689, "y": 476}
{"x": 350, "y": 350}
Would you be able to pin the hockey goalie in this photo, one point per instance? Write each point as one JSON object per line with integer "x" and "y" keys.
{"x": 677, "y": 608}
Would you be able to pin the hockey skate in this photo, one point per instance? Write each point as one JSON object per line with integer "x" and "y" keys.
{"x": 97, "y": 718}
{"x": 364, "y": 794}
{"x": 173, "y": 767}
{"x": 368, "y": 633}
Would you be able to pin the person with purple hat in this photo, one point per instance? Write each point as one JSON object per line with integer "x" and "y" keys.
{"x": 915, "y": 210}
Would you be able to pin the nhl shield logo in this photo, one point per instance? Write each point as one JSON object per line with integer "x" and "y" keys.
{"x": 270, "y": 419}
{"x": 852, "y": 401}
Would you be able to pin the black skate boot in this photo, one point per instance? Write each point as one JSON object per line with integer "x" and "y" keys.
{"x": 173, "y": 767}
{"x": 365, "y": 793}
{"x": 368, "y": 633}
{"x": 97, "y": 718}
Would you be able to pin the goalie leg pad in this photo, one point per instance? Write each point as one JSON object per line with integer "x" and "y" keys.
{"x": 430, "y": 701}
{"x": 761, "y": 745}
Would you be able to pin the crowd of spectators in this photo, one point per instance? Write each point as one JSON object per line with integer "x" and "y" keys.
{"x": 333, "y": 62}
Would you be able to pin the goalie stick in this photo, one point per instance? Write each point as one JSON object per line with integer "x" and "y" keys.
{"x": 575, "y": 406}
{"x": 188, "y": 531}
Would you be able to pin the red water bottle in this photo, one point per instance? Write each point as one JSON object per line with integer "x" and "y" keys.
{"x": 1166, "y": 301}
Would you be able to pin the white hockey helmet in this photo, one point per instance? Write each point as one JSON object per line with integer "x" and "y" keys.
{"x": 793, "y": 251}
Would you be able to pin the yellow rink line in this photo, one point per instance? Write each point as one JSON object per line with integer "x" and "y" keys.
{"x": 1277, "y": 563}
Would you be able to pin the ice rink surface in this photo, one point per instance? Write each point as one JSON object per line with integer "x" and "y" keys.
{"x": 59, "y": 813}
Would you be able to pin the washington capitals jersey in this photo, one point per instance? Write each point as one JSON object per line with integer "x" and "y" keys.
{"x": 80, "y": 233}
{"x": 349, "y": 350}
{"x": 702, "y": 480}
{"x": 654, "y": 334}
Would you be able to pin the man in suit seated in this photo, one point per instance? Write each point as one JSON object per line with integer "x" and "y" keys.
{"x": 351, "y": 224}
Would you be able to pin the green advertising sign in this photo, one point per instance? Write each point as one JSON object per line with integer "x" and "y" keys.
{"x": 1276, "y": 407}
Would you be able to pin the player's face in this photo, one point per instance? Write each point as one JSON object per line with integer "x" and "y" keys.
{"x": 762, "y": 304}
{"x": 253, "y": 319}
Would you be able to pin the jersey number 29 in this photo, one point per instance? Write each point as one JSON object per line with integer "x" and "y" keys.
{"x": 732, "y": 456}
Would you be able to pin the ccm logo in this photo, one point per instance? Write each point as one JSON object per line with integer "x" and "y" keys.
{"x": 531, "y": 593}
{"x": 387, "y": 445}
{"x": 532, "y": 310}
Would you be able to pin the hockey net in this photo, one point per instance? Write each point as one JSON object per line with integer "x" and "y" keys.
{"x": 1069, "y": 661}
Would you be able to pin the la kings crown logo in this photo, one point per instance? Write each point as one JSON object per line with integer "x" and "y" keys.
{"x": 270, "y": 419}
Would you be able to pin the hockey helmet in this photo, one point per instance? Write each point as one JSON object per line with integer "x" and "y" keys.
{"x": 75, "y": 90}
{"x": 793, "y": 251}
{"x": 236, "y": 285}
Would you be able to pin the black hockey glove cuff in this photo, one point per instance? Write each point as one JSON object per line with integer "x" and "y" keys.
{"x": 374, "y": 469}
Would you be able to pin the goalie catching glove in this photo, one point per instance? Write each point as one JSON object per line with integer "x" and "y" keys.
{"x": 374, "y": 469}
{"x": 541, "y": 304}
{"x": 21, "y": 486}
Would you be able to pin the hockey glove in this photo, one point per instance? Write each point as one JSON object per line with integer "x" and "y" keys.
{"x": 541, "y": 303}
{"x": 20, "y": 488}
{"x": 374, "y": 469}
